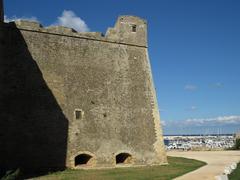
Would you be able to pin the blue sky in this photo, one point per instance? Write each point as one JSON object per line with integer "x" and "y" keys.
{"x": 194, "y": 46}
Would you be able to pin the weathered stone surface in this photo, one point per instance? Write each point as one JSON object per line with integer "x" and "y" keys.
{"x": 64, "y": 94}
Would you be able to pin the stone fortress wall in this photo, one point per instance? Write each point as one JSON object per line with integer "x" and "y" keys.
{"x": 78, "y": 100}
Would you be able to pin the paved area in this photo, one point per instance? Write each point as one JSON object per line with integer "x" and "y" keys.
{"x": 216, "y": 163}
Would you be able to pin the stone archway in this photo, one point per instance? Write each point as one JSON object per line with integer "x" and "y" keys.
{"x": 123, "y": 158}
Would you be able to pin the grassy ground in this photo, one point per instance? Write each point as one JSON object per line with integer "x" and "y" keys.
{"x": 177, "y": 166}
{"x": 235, "y": 175}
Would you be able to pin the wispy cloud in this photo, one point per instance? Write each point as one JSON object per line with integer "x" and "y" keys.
{"x": 192, "y": 108}
{"x": 190, "y": 87}
{"x": 217, "y": 85}
{"x": 215, "y": 121}
{"x": 163, "y": 123}
{"x": 70, "y": 19}
{"x": 15, "y": 18}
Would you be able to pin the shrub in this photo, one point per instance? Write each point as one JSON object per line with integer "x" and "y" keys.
{"x": 237, "y": 144}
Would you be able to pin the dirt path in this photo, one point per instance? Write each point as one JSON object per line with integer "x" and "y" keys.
{"x": 216, "y": 163}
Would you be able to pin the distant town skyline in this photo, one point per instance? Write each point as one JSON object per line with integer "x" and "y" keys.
{"x": 194, "y": 48}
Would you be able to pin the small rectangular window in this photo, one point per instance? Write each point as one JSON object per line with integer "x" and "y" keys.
{"x": 78, "y": 114}
{"x": 134, "y": 28}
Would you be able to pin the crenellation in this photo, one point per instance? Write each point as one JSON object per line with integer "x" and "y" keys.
{"x": 60, "y": 30}
{"x": 121, "y": 33}
{"x": 97, "y": 35}
{"x": 27, "y": 25}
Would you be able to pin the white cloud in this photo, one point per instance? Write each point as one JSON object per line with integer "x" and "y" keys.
{"x": 163, "y": 123}
{"x": 67, "y": 19}
{"x": 190, "y": 87}
{"x": 215, "y": 121}
{"x": 71, "y": 20}
{"x": 15, "y": 18}
{"x": 192, "y": 108}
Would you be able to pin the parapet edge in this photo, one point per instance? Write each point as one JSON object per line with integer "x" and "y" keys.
{"x": 66, "y": 31}
{"x": 60, "y": 30}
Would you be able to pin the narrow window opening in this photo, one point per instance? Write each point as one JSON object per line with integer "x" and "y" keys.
{"x": 78, "y": 114}
{"x": 82, "y": 159}
{"x": 134, "y": 28}
{"x": 123, "y": 158}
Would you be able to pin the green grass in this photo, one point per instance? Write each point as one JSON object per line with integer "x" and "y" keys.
{"x": 235, "y": 175}
{"x": 177, "y": 166}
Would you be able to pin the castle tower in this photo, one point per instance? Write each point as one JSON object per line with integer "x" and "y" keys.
{"x": 78, "y": 100}
{"x": 1, "y": 11}
{"x": 129, "y": 30}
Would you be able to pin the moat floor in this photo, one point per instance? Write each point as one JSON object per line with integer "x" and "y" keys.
{"x": 216, "y": 163}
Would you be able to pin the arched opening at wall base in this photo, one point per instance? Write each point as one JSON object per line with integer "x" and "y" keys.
{"x": 83, "y": 160}
{"x": 123, "y": 158}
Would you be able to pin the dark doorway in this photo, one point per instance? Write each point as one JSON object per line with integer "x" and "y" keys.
{"x": 83, "y": 159}
{"x": 123, "y": 158}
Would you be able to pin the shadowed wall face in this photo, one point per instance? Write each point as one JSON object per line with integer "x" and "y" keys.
{"x": 33, "y": 127}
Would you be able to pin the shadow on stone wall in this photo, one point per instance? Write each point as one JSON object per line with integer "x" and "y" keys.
{"x": 33, "y": 128}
